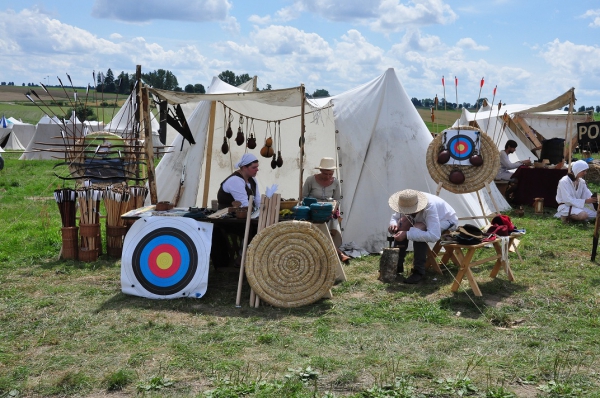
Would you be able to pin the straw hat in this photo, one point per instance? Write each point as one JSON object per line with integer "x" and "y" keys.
{"x": 327, "y": 164}
{"x": 291, "y": 264}
{"x": 475, "y": 177}
{"x": 408, "y": 201}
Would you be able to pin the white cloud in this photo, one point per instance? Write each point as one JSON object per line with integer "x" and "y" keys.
{"x": 414, "y": 40}
{"x": 231, "y": 25}
{"x": 575, "y": 59}
{"x": 147, "y": 10}
{"x": 381, "y": 15}
{"x": 595, "y": 15}
{"x": 115, "y": 36}
{"x": 470, "y": 44}
{"x": 286, "y": 40}
{"x": 258, "y": 20}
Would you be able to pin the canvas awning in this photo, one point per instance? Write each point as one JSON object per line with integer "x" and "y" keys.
{"x": 283, "y": 97}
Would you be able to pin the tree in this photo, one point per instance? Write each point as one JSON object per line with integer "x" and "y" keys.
{"x": 268, "y": 88}
{"x": 241, "y": 79}
{"x": 199, "y": 88}
{"x": 228, "y": 77}
{"x": 162, "y": 79}
{"x": 189, "y": 88}
{"x": 82, "y": 112}
{"x": 109, "y": 82}
{"x": 320, "y": 93}
{"x": 124, "y": 83}
{"x": 581, "y": 109}
{"x": 415, "y": 101}
{"x": 597, "y": 108}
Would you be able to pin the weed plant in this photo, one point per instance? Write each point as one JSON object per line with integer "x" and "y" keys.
{"x": 67, "y": 330}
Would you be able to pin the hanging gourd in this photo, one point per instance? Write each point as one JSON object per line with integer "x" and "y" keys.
{"x": 444, "y": 154}
{"x": 475, "y": 159}
{"x": 279, "y": 161}
{"x": 267, "y": 150}
{"x": 229, "y": 132}
{"x": 251, "y": 141}
{"x": 274, "y": 162}
{"x": 225, "y": 146}
{"x": 456, "y": 177}
{"x": 239, "y": 138}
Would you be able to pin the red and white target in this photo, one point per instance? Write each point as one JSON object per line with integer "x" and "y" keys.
{"x": 166, "y": 257}
{"x": 462, "y": 144}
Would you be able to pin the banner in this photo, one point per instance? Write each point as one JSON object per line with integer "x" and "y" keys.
{"x": 588, "y": 135}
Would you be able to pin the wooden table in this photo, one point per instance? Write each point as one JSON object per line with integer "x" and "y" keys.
{"x": 462, "y": 256}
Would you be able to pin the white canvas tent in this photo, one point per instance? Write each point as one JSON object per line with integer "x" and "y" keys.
{"x": 374, "y": 132}
{"x": 5, "y": 128}
{"x": 13, "y": 143}
{"x": 47, "y": 142}
{"x": 23, "y": 131}
{"x": 123, "y": 122}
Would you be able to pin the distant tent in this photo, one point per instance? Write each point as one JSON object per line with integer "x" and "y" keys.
{"x": 12, "y": 143}
{"x": 23, "y": 131}
{"x": 124, "y": 121}
{"x": 47, "y": 142}
{"x": 5, "y": 128}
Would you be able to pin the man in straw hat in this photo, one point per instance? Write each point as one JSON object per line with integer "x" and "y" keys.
{"x": 575, "y": 200}
{"x": 421, "y": 218}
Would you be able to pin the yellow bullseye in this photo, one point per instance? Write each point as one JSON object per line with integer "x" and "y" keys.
{"x": 164, "y": 261}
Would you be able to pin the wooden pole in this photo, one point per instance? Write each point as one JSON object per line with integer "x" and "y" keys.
{"x": 238, "y": 298}
{"x": 137, "y": 123}
{"x": 148, "y": 147}
{"x": 302, "y": 95}
{"x": 567, "y": 150}
{"x": 209, "y": 147}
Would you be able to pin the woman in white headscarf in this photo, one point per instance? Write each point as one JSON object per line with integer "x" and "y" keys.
{"x": 241, "y": 184}
{"x": 574, "y": 199}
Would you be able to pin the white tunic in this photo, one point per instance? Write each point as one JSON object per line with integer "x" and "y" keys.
{"x": 569, "y": 196}
{"x": 505, "y": 166}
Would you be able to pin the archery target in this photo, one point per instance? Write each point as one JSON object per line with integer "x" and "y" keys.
{"x": 166, "y": 257}
{"x": 461, "y": 145}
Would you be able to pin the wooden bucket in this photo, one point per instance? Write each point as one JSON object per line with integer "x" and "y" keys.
{"x": 90, "y": 237}
{"x": 88, "y": 256}
{"x": 69, "y": 242}
{"x": 114, "y": 240}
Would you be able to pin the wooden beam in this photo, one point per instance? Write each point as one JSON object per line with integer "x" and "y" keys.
{"x": 524, "y": 127}
{"x": 208, "y": 155}
{"x": 148, "y": 146}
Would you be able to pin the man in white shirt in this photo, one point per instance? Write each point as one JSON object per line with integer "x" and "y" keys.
{"x": 506, "y": 165}
{"x": 421, "y": 218}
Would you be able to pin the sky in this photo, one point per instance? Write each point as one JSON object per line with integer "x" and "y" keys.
{"x": 530, "y": 50}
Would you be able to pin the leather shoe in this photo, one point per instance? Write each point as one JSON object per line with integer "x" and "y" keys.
{"x": 413, "y": 279}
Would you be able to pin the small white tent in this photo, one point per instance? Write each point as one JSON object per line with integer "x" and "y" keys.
{"x": 13, "y": 143}
{"x": 47, "y": 142}
{"x": 123, "y": 122}
{"x": 23, "y": 131}
{"x": 374, "y": 132}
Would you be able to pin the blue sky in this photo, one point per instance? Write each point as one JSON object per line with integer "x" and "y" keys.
{"x": 531, "y": 50}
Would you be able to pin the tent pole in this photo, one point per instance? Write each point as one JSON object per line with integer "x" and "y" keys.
{"x": 148, "y": 146}
{"x": 137, "y": 123}
{"x": 568, "y": 149}
{"x": 302, "y": 90}
{"x": 209, "y": 145}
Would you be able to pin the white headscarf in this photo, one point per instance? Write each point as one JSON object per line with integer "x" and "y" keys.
{"x": 578, "y": 167}
{"x": 246, "y": 159}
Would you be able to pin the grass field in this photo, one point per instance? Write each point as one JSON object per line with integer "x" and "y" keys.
{"x": 67, "y": 330}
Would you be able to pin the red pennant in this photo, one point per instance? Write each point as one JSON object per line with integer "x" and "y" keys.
{"x": 495, "y": 90}
{"x": 456, "y": 81}
{"x": 481, "y": 84}
{"x": 443, "y": 81}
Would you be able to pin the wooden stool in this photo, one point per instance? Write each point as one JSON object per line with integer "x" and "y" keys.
{"x": 432, "y": 255}
{"x": 502, "y": 185}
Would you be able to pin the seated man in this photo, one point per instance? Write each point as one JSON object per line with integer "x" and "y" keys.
{"x": 575, "y": 200}
{"x": 506, "y": 165}
{"x": 419, "y": 217}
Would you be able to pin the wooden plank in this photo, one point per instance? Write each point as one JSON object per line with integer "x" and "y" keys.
{"x": 148, "y": 146}
{"x": 242, "y": 263}
{"x": 209, "y": 147}
{"x": 526, "y": 130}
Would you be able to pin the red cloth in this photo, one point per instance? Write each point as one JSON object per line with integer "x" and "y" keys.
{"x": 537, "y": 183}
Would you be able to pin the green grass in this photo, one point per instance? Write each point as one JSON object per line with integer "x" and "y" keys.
{"x": 67, "y": 330}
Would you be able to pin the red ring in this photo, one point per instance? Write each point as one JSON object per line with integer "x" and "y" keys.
{"x": 153, "y": 257}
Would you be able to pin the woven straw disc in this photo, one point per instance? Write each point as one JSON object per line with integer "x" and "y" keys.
{"x": 475, "y": 177}
{"x": 291, "y": 264}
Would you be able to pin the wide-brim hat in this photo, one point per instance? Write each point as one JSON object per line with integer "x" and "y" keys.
{"x": 327, "y": 164}
{"x": 408, "y": 201}
{"x": 470, "y": 231}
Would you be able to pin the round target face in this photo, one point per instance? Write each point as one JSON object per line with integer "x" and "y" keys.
{"x": 461, "y": 147}
{"x": 164, "y": 261}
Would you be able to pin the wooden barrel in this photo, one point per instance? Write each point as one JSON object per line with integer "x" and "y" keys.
{"x": 388, "y": 264}
{"x": 114, "y": 240}
{"x": 90, "y": 237}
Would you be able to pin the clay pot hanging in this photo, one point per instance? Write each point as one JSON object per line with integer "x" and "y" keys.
{"x": 279, "y": 159}
{"x": 225, "y": 146}
{"x": 239, "y": 138}
{"x": 443, "y": 156}
{"x": 274, "y": 162}
{"x": 456, "y": 177}
{"x": 229, "y": 132}
{"x": 269, "y": 142}
{"x": 476, "y": 160}
{"x": 251, "y": 142}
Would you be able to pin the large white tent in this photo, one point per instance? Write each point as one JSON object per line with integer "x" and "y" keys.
{"x": 47, "y": 142}
{"x": 374, "y": 132}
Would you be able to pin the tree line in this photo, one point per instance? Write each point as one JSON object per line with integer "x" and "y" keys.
{"x": 444, "y": 105}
